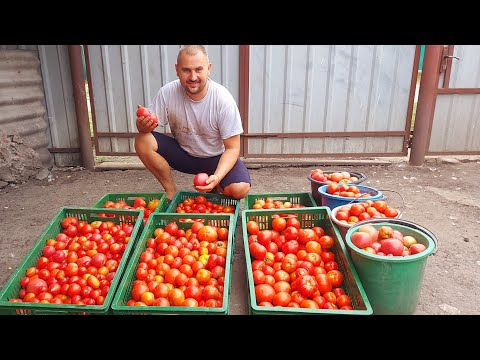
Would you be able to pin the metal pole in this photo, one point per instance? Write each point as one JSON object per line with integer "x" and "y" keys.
{"x": 81, "y": 109}
{"x": 427, "y": 97}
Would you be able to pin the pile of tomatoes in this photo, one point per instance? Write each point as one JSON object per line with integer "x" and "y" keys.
{"x": 182, "y": 267}
{"x": 294, "y": 266}
{"x": 270, "y": 203}
{"x": 341, "y": 177}
{"x": 353, "y": 213}
{"x": 138, "y": 204}
{"x": 345, "y": 190}
{"x": 78, "y": 266}
{"x": 200, "y": 204}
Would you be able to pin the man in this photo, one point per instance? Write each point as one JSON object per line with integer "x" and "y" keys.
{"x": 206, "y": 127}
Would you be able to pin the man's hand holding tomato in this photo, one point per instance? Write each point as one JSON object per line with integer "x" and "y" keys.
{"x": 212, "y": 182}
{"x": 146, "y": 121}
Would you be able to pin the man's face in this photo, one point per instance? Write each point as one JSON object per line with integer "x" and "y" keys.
{"x": 193, "y": 72}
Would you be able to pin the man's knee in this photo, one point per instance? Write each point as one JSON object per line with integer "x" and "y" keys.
{"x": 144, "y": 143}
{"x": 237, "y": 190}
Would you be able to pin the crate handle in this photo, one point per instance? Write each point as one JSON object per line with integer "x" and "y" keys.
{"x": 274, "y": 216}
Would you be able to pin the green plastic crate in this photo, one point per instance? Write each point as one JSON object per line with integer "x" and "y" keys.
{"x": 309, "y": 217}
{"x": 301, "y": 198}
{"x": 130, "y": 197}
{"x": 12, "y": 287}
{"x": 119, "y": 303}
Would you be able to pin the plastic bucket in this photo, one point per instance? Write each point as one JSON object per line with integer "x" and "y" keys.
{"x": 332, "y": 201}
{"x": 392, "y": 283}
{"x": 342, "y": 227}
{"x": 315, "y": 184}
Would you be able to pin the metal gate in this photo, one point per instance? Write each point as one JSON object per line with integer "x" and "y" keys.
{"x": 455, "y": 128}
{"x": 335, "y": 101}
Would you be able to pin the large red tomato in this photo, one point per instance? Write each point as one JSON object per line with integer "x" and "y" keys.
{"x": 336, "y": 278}
{"x": 257, "y": 250}
{"x": 306, "y": 285}
{"x": 264, "y": 292}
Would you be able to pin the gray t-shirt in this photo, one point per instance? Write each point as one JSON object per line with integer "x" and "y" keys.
{"x": 199, "y": 126}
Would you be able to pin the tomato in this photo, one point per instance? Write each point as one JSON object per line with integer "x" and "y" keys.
{"x": 313, "y": 258}
{"x": 264, "y": 237}
{"x": 172, "y": 228}
{"x": 327, "y": 256}
{"x": 176, "y": 297}
{"x": 257, "y": 250}
{"x": 282, "y": 275}
{"x": 343, "y": 300}
{"x": 312, "y": 247}
{"x": 380, "y": 205}
{"x": 279, "y": 224}
{"x": 281, "y": 298}
{"x": 289, "y": 264}
{"x": 306, "y": 235}
{"x": 71, "y": 220}
{"x": 293, "y": 221}
{"x": 323, "y": 283}
{"x": 264, "y": 292}
{"x": 329, "y": 296}
{"x": 335, "y": 277}
{"x": 207, "y": 233}
{"x": 390, "y": 212}
{"x": 142, "y": 111}
{"x": 309, "y": 304}
{"x": 330, "y": 265}
{"x": 290, "y": 233}
{"x": 203, "y": 276}
{"x": 253, "y": 227}
{"x": 222, "y": 234}
{"x": 306, "y": 285}
{"x": 338, "y": 291}
{"x": 320, "y": 300}
{"x": 291, "y": 246}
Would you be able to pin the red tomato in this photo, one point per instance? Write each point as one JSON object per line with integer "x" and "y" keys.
{"x": 264, "y": 237}
{"x": 306, "y": 235}
{"x": 252, "y": 227}
{"x": 264, "y": 292}
{"x": 293, "y": 221}
{"x": 336, "y": 278}
{"x": 279, "y": 224}
{"x": 257, "y": 250}
{"x": 306, "y": 285}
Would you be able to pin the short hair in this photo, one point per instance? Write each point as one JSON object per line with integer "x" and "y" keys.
{"x": 191, "y": 50}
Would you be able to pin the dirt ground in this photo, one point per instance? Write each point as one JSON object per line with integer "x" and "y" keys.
{"x": 440, "y": 195}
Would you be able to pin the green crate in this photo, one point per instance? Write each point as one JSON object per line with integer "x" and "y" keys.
{"x": 309, "y": 217}
{"x": 130, "y": 197}
{"x": 12, "y": 287}
{"x": 301, "y": 198}
{"x": 214, "y": 198}
{"x": 119, "y": 303}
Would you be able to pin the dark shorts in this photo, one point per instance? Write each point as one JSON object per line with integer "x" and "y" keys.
{"x": 182, "y": 161}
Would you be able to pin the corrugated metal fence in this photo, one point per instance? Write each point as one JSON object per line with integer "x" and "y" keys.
{"x": 295, "y": 100}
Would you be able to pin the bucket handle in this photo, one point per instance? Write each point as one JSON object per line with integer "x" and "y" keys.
{"x": 407, "y": 223}
{"x": 382, "y": 198}
{"x": 404, "y": 206}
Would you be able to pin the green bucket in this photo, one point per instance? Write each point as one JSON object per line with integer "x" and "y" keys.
{"x": 392, "y": 283}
